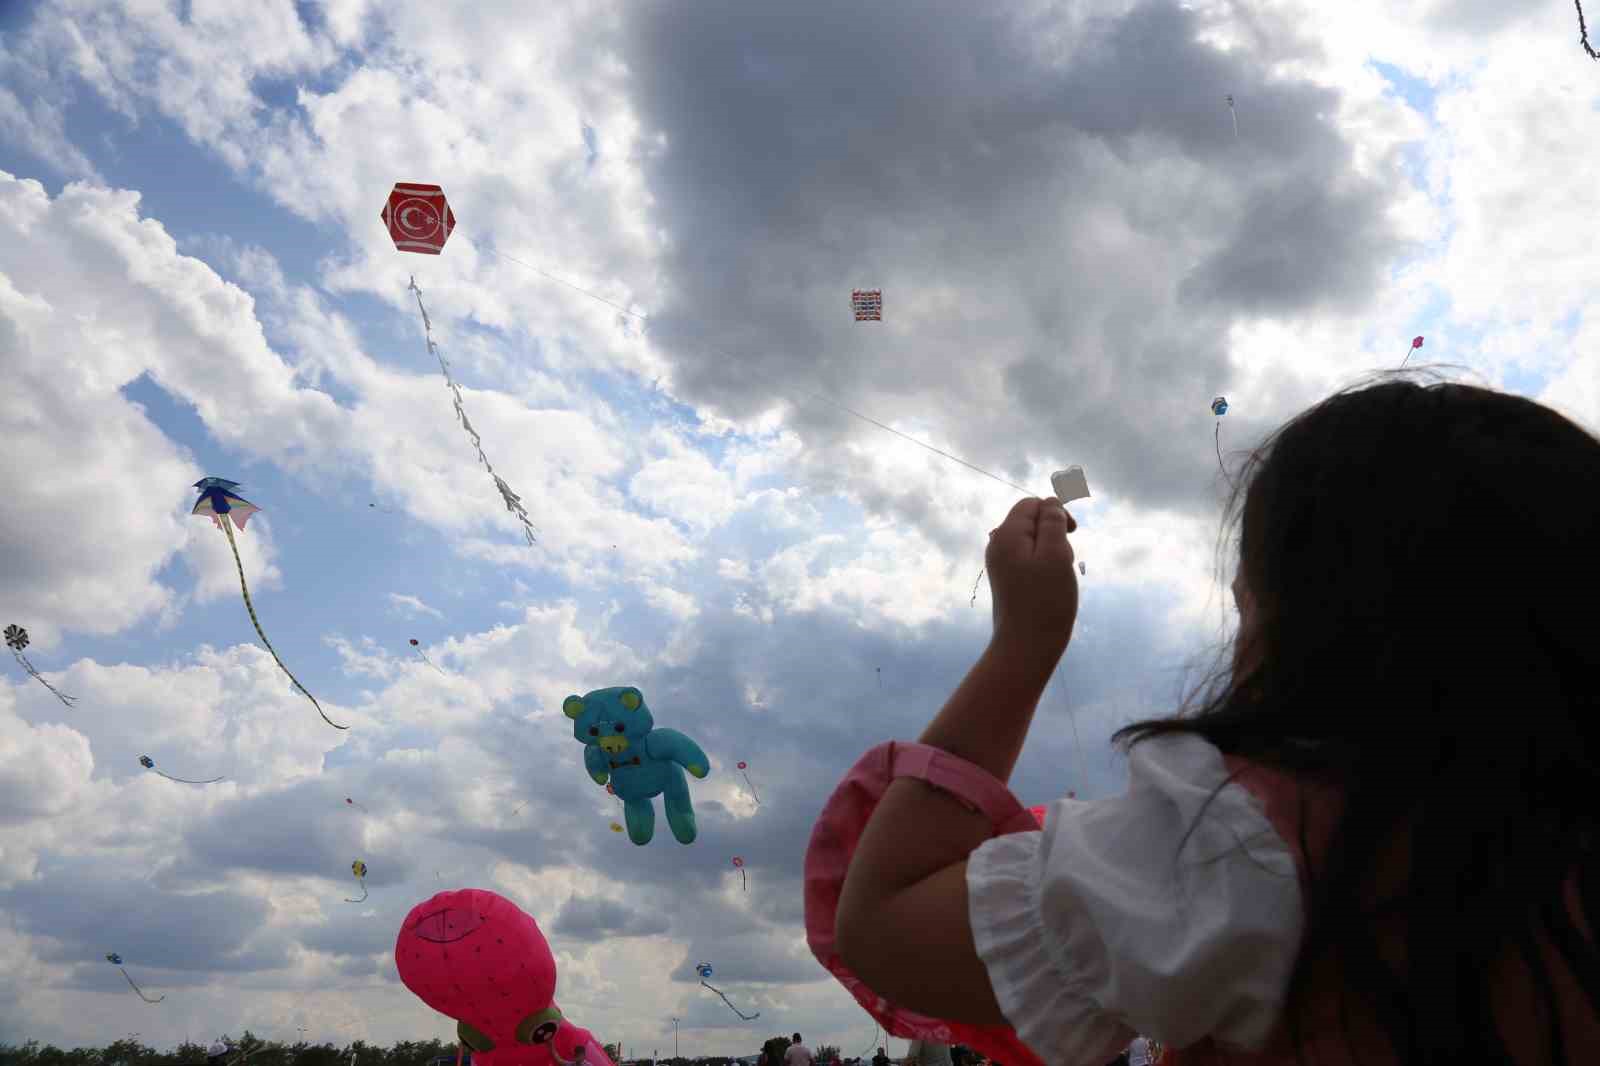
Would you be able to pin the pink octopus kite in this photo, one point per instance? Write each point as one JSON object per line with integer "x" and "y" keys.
{"x": 476, "y": 957}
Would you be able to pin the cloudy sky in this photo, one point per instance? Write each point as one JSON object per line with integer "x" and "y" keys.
{"x": 1076, "y": 252}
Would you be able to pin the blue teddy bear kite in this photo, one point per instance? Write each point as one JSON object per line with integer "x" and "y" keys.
{"x": 620, "y": 743}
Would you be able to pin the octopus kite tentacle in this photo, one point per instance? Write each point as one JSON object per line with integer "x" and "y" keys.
{"x": 512, "y": 501}
{"x": 251, "y": 607}
{"x": 736, "y": 1010}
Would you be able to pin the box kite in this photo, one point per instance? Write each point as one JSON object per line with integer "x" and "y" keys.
{"x": 867, "y": 304}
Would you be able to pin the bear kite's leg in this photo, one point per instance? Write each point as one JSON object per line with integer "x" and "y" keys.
{"x": 641, "y": 818}
{"x": 680, "y": 809}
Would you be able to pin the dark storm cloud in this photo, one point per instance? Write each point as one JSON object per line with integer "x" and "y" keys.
{"x": 597, "y": 918}
{"x": 1060, "y": 217}
{"x": 80, "y": 914}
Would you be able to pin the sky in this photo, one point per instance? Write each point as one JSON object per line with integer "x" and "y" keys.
{"x": 1076, "y": 252}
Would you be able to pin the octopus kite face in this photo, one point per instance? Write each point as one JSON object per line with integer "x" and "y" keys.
{"x": 613, "y": 719}
{"x": 475, "y": 956}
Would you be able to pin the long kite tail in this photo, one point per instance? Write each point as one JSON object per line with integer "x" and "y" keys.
{"x": 187, "y": 781}
{"x": 26, "y": 665}
{"x": 736, "y": 1010}
{"x": 228, "y": 529}
{"x": 139, "y": 990}
{"x": 752, "y": 785}
{"x": 363, "y": 898}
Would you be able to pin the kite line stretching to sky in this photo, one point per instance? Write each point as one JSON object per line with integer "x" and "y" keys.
{"x": 419, "y": 220}
{"x": 1583, "y": 32}
{"x": 218, "y": 502}
{"x": 16, "y": 640}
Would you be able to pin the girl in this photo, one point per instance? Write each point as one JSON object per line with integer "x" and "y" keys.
{"x": 1371, "y": 837}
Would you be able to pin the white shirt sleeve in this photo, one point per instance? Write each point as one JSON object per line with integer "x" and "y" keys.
{"x": 1098, "y": 928}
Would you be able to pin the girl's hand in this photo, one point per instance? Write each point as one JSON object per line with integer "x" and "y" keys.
{"x": 1031, "y": 577}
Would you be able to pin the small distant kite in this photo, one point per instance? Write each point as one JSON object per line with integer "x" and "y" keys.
{"x": 150, "y": 764}
{"x": 359, "y": 868}
{"x": 219, "y": 502}
{"x": 1416, "y": 342}
{"x": 16, "y": 640}
{"x": 353, "y": 803}
{"x": 738, "y": 864}
{"x": 116, "y": 960}
{"x": 879, "y": 669}
{"x": 704, "y": 971}
{"x": 419, "y": 218}
{"x": 1219, "y": 407}
{"x": 418, "y": 649}
{"x": 1235, "y": 114}
{"x": 616, "y": 827}
{"x": 744, "y": 768}
{"x": 867, "y": 304}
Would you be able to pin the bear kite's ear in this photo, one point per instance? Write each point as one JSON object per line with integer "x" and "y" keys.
{"x": 572, "y": 706}
{"x": 631, "y": 698}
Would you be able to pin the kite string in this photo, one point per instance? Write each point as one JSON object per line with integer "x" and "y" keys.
{"x": 736, "y": 1010}
{"x": 1583, "y": 32}
{"x": 823, "y": 396}
{"x": 251, "y": 607}
{"x": 512, "y": 501}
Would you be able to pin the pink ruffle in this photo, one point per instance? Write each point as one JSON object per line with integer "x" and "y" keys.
{"x": 833, "y": 842}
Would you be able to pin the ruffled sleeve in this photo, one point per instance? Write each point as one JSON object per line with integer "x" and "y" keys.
{"x": 1100, "y": 928}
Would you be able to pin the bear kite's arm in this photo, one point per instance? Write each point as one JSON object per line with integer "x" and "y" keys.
{"x": 594, "y": 761}
{"x": 673, "y": 746}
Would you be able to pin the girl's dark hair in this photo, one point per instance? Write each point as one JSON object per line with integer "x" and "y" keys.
{"x": 1425, "y": 566}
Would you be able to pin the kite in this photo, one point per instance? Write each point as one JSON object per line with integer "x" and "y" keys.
{"x": 880, "y": 677}
{"x": 744, "y": 768}
{"x": 478, "y": 958}
{"x": 150, "y": 764}
{"x": 738, "y": 864}
{"x": 867, "y": 304}
{"x": 704, "y": 971}
{"x": 418, "y": 648}
{"x": 1069, "y": 484}
{"x": 1220, "y": 408}
{"x": 16, "y": 640}
{"x": 622, "y": 746}
{"x": 616, "y": 827}
{"x": 116, "y": 960}
{"x": 359, "y": 868}
{"x": 219, "y": 502}
{"x": 1235, "y": 117}
{"x": 353, "y": 803}
{"x": 1416, "y": 342}
{"x": 419, "y": 218}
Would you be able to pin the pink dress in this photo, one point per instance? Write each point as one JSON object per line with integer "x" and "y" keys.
{"x": 1098, "y": 928}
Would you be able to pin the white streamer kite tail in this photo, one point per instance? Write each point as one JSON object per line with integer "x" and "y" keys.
{"x": 140, "y": 991}
{"x": 22, "y": 660}
{"x": 251, "y": 607}
{"x": 512, "y": 501}
{"x": 736, "y": 1010}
